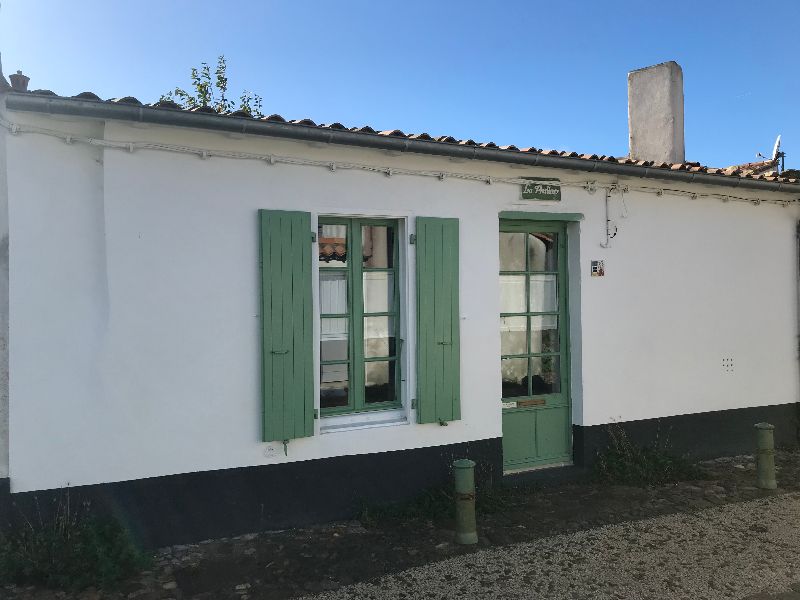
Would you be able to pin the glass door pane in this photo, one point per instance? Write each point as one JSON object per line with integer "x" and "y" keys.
{"x": 512, "y": 251}
{"x": 543, "y": 293}
{"x": 542, "y": 252}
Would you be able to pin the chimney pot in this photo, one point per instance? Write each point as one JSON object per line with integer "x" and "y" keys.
{"x": 19, "y": 82}
{"x": 655, "y": 113}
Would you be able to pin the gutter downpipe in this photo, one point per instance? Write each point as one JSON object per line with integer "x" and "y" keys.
{"x": 175, "y": 117}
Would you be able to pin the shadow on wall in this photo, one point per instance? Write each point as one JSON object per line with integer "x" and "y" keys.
{"x": 697, "y": 436}
{"x": 191, "y": 507}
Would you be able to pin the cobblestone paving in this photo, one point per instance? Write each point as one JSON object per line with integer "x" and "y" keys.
{"x": 719, "y": 553}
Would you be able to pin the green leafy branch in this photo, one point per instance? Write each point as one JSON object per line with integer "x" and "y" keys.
{"x": 211, "y": 91}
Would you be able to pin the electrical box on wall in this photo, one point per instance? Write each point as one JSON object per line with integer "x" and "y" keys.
{"x": 598, "y": 268}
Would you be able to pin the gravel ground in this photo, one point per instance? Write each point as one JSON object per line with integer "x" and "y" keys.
{"x": 522, "y": 529}
{"x": 746, "y": 550}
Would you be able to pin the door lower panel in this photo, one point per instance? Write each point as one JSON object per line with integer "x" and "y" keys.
{"x": 537, "y": 436}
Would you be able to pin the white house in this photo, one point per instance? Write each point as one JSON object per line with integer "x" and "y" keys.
{"x": 215, "y": 324}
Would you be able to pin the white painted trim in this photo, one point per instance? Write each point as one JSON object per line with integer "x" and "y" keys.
{"x": 376, "y": 418}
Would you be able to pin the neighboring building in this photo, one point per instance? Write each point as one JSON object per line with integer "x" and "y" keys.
{"x": 218, "y": 324}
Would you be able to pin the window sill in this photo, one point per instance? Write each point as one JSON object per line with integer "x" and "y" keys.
{"x": 368, "y": 420}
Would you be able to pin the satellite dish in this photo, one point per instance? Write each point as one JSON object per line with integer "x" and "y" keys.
{"x": 776, "y": 150}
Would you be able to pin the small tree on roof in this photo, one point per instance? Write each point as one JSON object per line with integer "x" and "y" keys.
{"x": 208, "y": 91}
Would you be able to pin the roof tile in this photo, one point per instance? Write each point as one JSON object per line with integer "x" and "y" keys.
{"x": 126, "y": 100}
{"x": 239, "y": 113}
{"x": 764, "y": 170}
{"x": 165, "y": 104}
{"x": 88, "y": 96}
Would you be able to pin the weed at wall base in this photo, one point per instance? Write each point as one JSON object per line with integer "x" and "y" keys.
{"x": 624, "y": 462}
{"x": 68, "y": 549}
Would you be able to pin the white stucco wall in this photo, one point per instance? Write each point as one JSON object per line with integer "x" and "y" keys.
{"x": 134, "y": 301}
{"x": 3, "y": 309}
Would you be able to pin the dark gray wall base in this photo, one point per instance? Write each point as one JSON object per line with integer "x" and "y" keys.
{"x": 547, "y": 477}
{"x": 700, "y": 435}
{"x": 186, "y": 508}
{"x": 5, "y": 499}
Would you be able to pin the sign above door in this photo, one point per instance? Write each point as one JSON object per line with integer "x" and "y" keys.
{"x": 541, "y": 188}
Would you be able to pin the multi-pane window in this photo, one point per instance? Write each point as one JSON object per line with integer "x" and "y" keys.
{"x": 530, "y": 331}
{"x": 359, "y": 314}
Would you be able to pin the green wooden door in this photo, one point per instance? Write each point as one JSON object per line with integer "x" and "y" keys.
{"x": 534, "y": 344}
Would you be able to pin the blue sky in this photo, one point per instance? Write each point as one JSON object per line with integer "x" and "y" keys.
{"x": 545, "y": 74}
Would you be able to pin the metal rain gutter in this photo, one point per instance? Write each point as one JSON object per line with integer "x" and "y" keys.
{"x": 175, "y": 117}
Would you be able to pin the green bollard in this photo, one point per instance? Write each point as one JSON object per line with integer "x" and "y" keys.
{"x": 765, "y": 459}
{"x": 464, "y": 470}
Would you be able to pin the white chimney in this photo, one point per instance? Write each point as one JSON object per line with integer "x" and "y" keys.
{"x": 655, "y": 113}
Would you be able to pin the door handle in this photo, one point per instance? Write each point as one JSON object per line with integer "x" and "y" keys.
{"x": 280, "y": 352}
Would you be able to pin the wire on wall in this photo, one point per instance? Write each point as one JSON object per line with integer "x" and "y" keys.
{"x": 334, "y": 166}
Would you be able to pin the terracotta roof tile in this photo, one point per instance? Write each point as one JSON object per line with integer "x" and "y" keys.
{"x": 764, "y": 170}
{"x": 126, "y": 100}
{"x": 88, "y": 96}
{"x": 165, "y": 104}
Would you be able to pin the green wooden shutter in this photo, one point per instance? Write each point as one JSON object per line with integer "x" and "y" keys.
{"x": 287, "y": 325}
{"x": 438, "y": 362}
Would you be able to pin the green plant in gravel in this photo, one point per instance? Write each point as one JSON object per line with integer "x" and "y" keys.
{"x": 624, "y": 462}
{"x": 70, "y": 549}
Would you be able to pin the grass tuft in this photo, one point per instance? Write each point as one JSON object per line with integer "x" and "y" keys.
{"x": 70, "y": 549}
{"x": 624, "y": 462}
